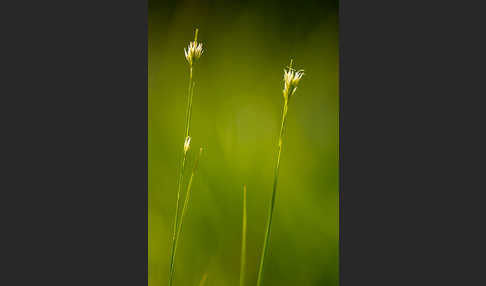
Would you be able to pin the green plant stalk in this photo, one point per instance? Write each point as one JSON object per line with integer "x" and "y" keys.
{"x": 272, "y": 203}
{"x": 186, "y": 201}
{"x": 184, "y": 209}
{"x": 243, "y": 241}
{"x": 179, "y": 182}
{"x": 187, "y": 126}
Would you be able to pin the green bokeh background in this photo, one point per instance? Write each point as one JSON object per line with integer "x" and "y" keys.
{"x": 236, "y": 118}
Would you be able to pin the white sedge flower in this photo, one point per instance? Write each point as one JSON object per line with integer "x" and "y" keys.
{"x": 193, "y": 52}
{"x": 291, "y": 81}
{"x": 187, "y": 144}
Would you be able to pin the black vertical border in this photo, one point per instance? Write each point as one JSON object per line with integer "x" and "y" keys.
{"x": 74, "y": 130}
{"x": 411, "y": 143}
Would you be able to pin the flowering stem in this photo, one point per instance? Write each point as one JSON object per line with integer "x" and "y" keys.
{"x": 187, "y": 126}
{"x": 192, "y": 54}
{"x": 272, "y": 203}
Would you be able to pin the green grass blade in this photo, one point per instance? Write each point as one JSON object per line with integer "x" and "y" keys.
{"x": 186, "y": 203}
{"x": 274, "y": 192}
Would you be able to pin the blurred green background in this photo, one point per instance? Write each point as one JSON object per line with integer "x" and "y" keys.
{"x": 236, "y": 118}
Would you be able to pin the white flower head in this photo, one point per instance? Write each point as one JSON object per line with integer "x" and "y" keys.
{"x": 194, "y": 50}
{"x": 291, "y": 81}
{"x": 187, "y": 144}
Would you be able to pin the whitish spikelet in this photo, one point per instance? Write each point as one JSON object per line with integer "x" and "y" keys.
{"x": 187, "y": 144}
{"x": 193, "y": 52}
{"x": 291, "y": 81}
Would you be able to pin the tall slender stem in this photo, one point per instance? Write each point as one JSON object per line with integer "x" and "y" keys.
{"x": 186, "y": 200}
{"x": 187, "y": 127}
{"x": 272, "y": 203}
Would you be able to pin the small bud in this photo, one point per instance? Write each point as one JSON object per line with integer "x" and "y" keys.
{"x": 187, "y": 144}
